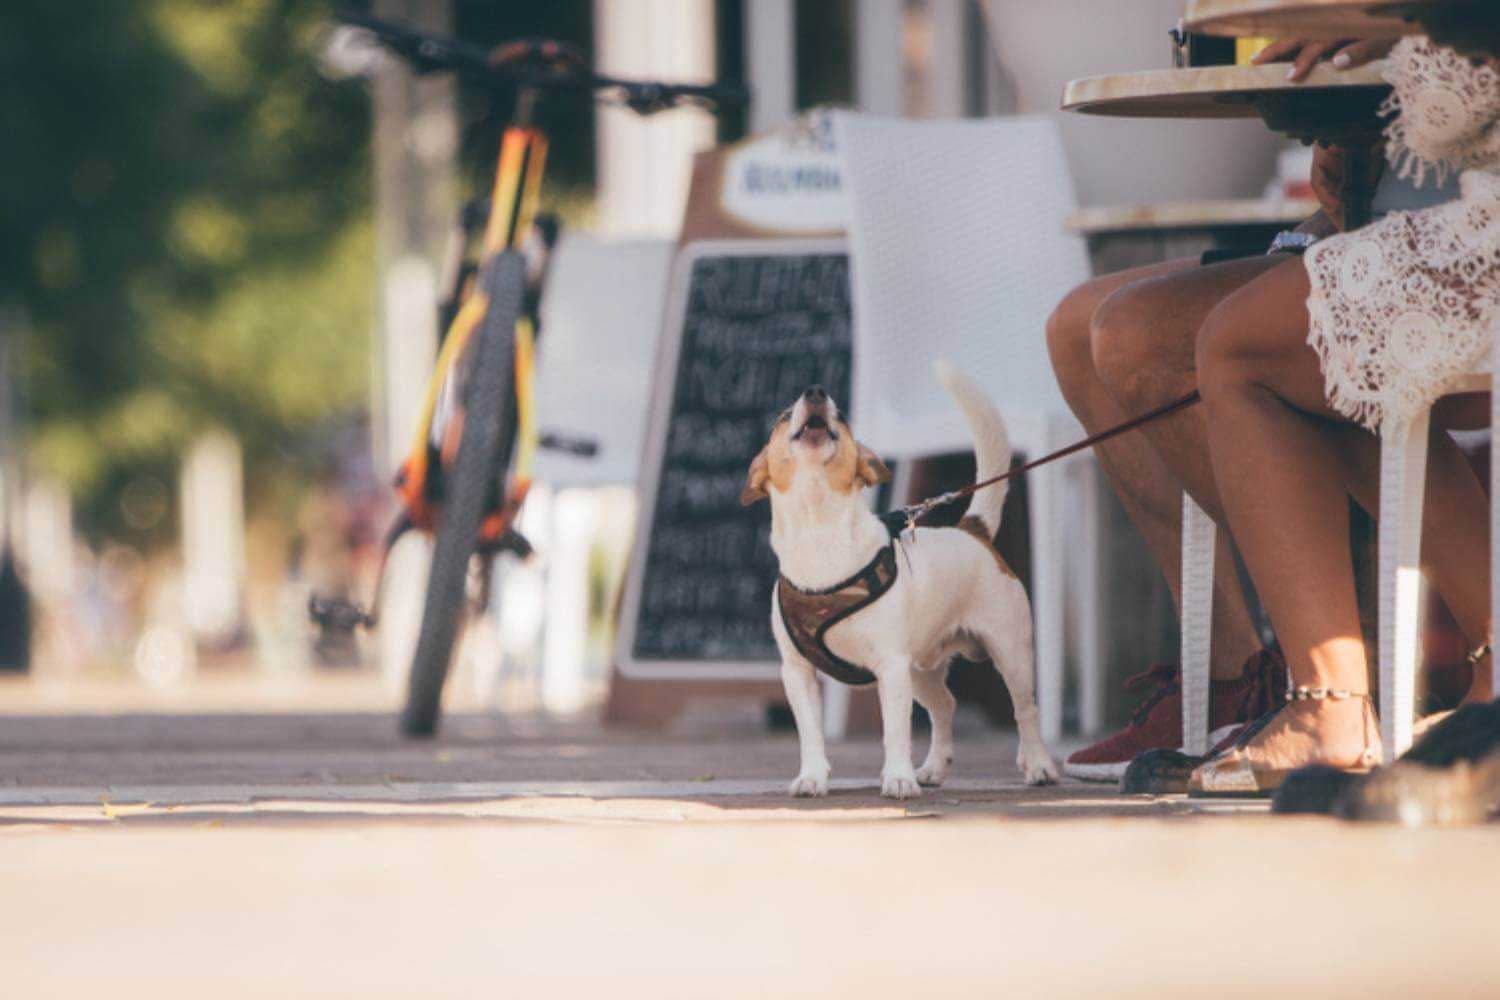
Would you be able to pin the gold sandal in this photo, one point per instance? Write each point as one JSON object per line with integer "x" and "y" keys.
{"x": 1233, "y": 774}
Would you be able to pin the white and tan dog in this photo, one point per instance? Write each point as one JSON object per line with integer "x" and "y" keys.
{"x": 953, "y": 593}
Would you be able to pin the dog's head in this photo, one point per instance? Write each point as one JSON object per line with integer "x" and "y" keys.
{"x": 811, "y": 445}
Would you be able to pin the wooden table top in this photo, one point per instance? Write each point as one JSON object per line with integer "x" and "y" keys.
{"x": 1211, "y": 91}
{"x": 1307, "y": 18}
{"x": 1190, "y": 215}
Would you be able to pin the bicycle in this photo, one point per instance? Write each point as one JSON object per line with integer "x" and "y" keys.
{"x": 469, "y": 467}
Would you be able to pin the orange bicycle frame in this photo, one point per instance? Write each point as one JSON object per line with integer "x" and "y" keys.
{"x": 513, "y": 203}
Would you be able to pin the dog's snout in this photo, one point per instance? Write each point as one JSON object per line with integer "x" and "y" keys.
{"x": 814, "y": 395}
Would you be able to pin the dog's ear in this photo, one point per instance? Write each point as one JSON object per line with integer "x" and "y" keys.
{"x": 869, "y": 469}
{"x": 755, "y": 483}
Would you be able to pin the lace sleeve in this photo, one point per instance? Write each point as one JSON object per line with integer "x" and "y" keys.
{"x": 1447, "y": 109}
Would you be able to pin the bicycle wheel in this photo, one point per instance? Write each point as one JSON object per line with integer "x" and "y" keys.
{"x": 489, "y": 422}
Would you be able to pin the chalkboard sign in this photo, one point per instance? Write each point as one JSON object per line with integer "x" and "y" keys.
{"x": 750, "y": 324}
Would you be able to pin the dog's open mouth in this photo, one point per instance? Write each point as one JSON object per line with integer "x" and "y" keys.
{"x": 817, "y": 426}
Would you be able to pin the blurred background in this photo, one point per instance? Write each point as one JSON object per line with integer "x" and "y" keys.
{"x": 221, "y": 238}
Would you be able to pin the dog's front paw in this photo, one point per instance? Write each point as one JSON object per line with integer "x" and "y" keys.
{"x": 1037, "y": 767}
{"x": 810, "y": 785}
{"x": 900, "y": 785}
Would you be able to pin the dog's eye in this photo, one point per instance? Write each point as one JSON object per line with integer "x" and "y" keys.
{"x": 785, "y": 416}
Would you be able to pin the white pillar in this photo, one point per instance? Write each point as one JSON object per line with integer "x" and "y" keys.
{"x": 575, "y": 515}
{"x": 410, "y": 349}
{"x": 46, "y": 538}
{"x": 416, "y": 135}
{"x": 879, "y": 68}
{"x": 948, "y": 62}
{"x": 771, "y": 61}
{"x": 644, "y": 165}
{"x": 213, "y": 535}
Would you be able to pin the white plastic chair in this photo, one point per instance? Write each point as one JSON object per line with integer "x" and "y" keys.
{"x": 601, "y": 316}
{"x": 1403, "y": 480}
{"x": 1199, "y": 534}
{"x": 958, "y": 251}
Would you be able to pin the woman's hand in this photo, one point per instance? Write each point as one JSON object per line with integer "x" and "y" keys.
{"x": 1305, "y": 53}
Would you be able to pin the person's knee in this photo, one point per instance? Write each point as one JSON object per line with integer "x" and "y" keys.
{"x": 1134, "y": 358}
{"x": 1068, "y": 337}
{"x": 1224, "y": 354}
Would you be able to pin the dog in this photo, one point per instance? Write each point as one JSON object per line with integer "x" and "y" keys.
{"x": 918, "y": 599}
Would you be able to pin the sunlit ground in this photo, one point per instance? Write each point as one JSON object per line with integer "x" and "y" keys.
{"x": 227, "y": 848}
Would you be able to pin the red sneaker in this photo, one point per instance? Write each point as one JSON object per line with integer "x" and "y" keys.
{"x": 1157, "y": 724}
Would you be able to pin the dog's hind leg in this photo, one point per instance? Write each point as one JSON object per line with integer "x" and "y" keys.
{"x": 1007, "y": 638}
{"x": 931, "y": 690}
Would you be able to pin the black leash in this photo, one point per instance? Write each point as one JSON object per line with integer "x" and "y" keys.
{"x": 912, "y": 513}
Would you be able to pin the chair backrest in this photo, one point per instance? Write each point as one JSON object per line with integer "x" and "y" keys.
{"x": 958, "y": 251}
{"x": 601, "y": 317}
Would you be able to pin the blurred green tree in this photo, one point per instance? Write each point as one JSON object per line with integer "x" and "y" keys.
{"x": 186, "y": 202}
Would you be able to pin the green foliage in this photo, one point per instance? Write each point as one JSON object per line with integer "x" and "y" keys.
{"x": 185, "y": 204}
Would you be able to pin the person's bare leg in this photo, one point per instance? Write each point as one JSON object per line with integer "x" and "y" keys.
{"x": 1131, "y": 369}
{"x": 1172, "y": 309}
{"x": 1282, "y": 465}
{"x": 1150, "y": 493}
{"x": 1455, "y": 530}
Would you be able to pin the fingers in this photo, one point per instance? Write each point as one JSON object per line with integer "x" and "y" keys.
{"x": 1310, "y": 55}
{"x": 1305, "y": 53}
{"x": 1363, "y": 53}
{"x": 1279, "y": 51}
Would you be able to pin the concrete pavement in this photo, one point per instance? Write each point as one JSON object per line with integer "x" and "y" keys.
{"x": 317, "y": 855}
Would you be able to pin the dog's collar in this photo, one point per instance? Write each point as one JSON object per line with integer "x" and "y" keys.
{"x": 808, "y": 614}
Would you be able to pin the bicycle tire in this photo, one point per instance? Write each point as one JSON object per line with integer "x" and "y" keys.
{"x": 484, "y": 448}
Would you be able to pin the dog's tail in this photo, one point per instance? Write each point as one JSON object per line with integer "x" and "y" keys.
{"x": 991, "y": 443}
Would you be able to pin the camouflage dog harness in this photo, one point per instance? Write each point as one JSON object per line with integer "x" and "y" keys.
{"x": 809, "y": 614}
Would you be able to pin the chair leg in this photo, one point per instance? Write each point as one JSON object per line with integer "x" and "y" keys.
{"x": 1494, "y": 511}
{"x": 1046, "y": 496}
{"x": 1199, "y": 537}
{"x": 1084, "y": 585}
{"x": 836, "y": 698}
{"x": 1403, "y": 475}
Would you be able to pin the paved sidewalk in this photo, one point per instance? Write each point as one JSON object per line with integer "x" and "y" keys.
{"x": 318, "y": 855}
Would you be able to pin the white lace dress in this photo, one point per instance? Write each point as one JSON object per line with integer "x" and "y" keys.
{"x": 1402, "y": 309}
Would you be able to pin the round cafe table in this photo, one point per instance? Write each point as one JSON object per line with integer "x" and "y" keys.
{"x": 1331, "y": 106}
{"x": 1123, "y": 236}
{"x": 1222, "y": 220}
{"x": 1466, "y": 24}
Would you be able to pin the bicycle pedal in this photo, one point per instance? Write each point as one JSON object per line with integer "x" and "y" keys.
{"x": 513, "y": 542}
{"x": 338, "y": 614}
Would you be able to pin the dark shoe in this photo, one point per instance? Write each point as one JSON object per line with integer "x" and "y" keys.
{"x": 1416, "y": 789}
{"x": 1166, "y": 772}
{"x": 1313, "y": 790}
{"x": 1451, "y": 777}
{"x": 1461, "y": 794}
{"x": 1157, "y": 724}
{"x": 1468, "y": 734}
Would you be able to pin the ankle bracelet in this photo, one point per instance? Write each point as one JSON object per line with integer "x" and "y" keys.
{"x": 1478, "y": 654}
{"x": 1323, "y": 694}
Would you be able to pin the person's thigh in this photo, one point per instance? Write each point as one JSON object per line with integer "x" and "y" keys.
{"x": 1068, "y": 337}
{"x": 1144, "y": 334}
{"x": 1258, "y": 334}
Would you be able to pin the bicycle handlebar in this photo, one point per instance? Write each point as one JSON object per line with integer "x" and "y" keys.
{"x": 541, "y": 64}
